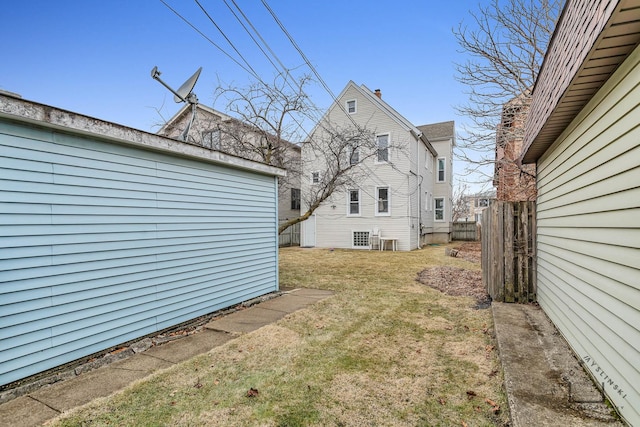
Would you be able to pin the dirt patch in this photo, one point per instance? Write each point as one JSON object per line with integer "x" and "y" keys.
{"x": 458, "y": 281}
{"x": 470, "y": 251}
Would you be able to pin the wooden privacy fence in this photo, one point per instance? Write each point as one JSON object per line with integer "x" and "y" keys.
{"x": 467, "y": 230}
{"x": 290, "y": 236}
{"x": 509, "y": 251}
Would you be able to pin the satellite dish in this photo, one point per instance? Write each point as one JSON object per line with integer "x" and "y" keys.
{"x": 183, "y": 94}
{"x": 185, "y": 90}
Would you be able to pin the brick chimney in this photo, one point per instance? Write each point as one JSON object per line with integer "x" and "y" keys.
{"x": 378, "y": 93}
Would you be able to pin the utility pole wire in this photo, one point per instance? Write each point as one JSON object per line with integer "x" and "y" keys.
{"x": 204, "y": 36}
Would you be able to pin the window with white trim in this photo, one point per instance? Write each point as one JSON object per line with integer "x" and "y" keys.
{"x": 351, "y": 106}
{"x": 427, "y": 201}
{"x": 353, "y": 208}
{"x": 382, "y": 142}
{"x": 441, "y": 169}
{"x": 315, "y": 177}
{"x": 382, "y": 201}
{"x": 438, "y": 208}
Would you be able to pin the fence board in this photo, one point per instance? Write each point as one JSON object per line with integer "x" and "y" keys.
{"x": 467, "y": 230}
{"x": 508, "y": 251}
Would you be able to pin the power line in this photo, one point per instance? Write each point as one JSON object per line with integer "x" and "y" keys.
{"x": 253, "y": 72}
{"x": 204, "y": 36}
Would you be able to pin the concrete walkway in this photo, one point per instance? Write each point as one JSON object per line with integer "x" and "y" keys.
{"x": 48, "y": 402}
{"x": 545, "y": 384}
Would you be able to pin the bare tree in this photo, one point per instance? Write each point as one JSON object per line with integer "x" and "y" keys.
{"x": 505, "y": 45}
{"x": 269, "y": 116}
{"x": 460, "y": 202}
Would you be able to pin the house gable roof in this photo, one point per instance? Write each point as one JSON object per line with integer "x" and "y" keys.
{"x": 589, "y": 43}
{"x": 385, "y": 108}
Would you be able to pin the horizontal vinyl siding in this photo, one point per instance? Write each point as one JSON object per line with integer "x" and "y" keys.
{"x": 333, "y": 227}
{"x": 589, "y": 237}
{"x": 101, "y": 244}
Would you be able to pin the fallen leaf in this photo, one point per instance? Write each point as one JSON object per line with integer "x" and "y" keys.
{"x": 253, "y": 392}
{"x": 471, "y": 394}
{"x": 198, "y": 384}
{"x": 442, "y": 401}
{"x": 216, "y": 381}
{"x": 464, "y": 424}
{"x": 495, "y": 408}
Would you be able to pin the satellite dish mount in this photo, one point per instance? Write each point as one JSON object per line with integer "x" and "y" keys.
{"x": 183, "y": 94}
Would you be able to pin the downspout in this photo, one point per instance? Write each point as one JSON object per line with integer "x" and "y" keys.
{"x": 419, "y": 192}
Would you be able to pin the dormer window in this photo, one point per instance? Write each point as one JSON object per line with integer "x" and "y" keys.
{"x": 351, "y": 106}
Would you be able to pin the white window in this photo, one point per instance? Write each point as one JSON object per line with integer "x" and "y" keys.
{"x": 315, "y": 177}
{"x": 427, "y": 201}
{"x": 353, "y": 207}
{"x": 360, "y": 240}
{"x": 354, "y": 155}
{"x": 382, "y": 201}
{"x": 351, "y": 106}
{"x": 441, "y": 169}
{"x": 438, "y": 208}
{"x": 382, "y": 142}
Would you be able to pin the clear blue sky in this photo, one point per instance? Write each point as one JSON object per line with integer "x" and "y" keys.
{"x": 95, "y": 57}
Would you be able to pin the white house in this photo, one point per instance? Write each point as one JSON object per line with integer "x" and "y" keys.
{"x": 108, "y": 234}
{"x": 404, "y": 192}
{"x": 583, "y": 134}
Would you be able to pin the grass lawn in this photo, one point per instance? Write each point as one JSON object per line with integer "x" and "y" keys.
{"x": 385, "y": 350}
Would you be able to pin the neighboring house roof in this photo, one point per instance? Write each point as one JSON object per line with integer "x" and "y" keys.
{"x": 185, "y": 110}
{"x": 224, "y": 118}
{"x": 439, "y": 131}
{"x": 390, "y": 111}
{"x": 575, "y": 68}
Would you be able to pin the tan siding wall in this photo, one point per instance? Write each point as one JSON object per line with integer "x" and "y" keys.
{"x": 589, "y": 237}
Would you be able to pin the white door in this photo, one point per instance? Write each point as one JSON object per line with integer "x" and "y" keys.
{"x": 309, "y": 232}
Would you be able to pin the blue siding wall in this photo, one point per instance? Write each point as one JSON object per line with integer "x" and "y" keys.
{"x": 103, "y": 243}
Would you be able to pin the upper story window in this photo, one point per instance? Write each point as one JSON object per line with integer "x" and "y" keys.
{"x": 315, "y": 177}
{"x": 354, "y": 155}
{"x": 382, "y": 142}
{"x": 441, "y": 169}
{"x": 295, "y": 199}
{"x": 354, "y": 202}
{"x": 482, "y": 203}
{"x": 382, "y": 201}
{"x": 351, "y": 106}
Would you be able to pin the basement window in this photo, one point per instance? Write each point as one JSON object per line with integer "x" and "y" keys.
{"x": 360, "y": 240}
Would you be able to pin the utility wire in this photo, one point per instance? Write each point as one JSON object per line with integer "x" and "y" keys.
{"x": 205, "y": 37}
{"x": 253, "y": 72}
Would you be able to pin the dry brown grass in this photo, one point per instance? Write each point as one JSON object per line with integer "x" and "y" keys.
{"x": 384, "y": 350}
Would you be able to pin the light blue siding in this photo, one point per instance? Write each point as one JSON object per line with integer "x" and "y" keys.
{"x": 103, "y": 243}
